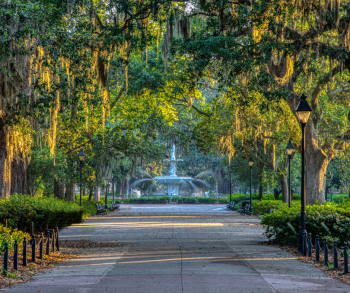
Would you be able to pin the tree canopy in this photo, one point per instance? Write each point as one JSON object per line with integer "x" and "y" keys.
{"x": 125, "y": 79}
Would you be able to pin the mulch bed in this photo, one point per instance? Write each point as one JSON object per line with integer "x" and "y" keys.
{"x": 334, "y": 273}
{"x": 24, "y": 274}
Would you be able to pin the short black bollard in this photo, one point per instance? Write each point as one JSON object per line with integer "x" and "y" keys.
{"x": 304, "y": 244}
{"x": 317, "y": 246}
{"x": 6, "y": 258}
{"x": 325, "y": 249}
{"x": 309, "y": 244}
{"x": 48, "y": 243}
{"x": 57, "y": 243}
{"x": 41, "y": 246}
{"x": 25, "y": 251}
{"x": 53, "y": 240}
{"x": 15, "y": 256}
{"x": 33, "y": 248}
{"x": 335, "y": 255}
{"x": 346, "y": 258}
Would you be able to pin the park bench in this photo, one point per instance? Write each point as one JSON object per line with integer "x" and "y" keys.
{"x": 245, "y": 209}
{"x": 100, "y": 209}
{"x": 115, "y": 206}
{"x": 231, "y": 205}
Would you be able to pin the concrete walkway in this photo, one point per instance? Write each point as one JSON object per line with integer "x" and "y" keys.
{"x": 178, "y": 249}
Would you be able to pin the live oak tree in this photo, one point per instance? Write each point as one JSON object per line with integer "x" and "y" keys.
{"x": 55, "y": 58}
{"x": 280, "y": 49}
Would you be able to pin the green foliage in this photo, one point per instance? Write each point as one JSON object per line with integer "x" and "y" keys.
{"x": 13, "y": 276}
{"x": 328, "y": 220}
{"x": 10, "y": 235}
{"x": 147, "y": 199}
{"x": 190, "y": 200}
{"x": 21, "y": 210}
{"x": 177, "y": 199}
{"x": 265, "y": 206}
{"x": 89, "y": 206}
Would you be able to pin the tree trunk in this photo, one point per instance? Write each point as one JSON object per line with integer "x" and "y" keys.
{"x": 276, "y": 193}
{"x": 5, "y": 164}
{"x": 91, "y": 193}
{"x": 220, "y": 176}
{"x": 316, "y": 162}
{"x": 284, "y": 185}
{"x": 70, "y": 188}
{"x": 15, "y": 77}
{"x": 316, "y": 159}
{"x": 97, "y": 194}
{"x": 58, "y": 189}
{"x": 260, "y": 192}
{"x": 18, "y": 175}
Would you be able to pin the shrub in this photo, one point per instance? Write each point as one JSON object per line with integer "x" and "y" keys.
{"x": 21, "y": 210}
{"x": 147, "y": 199}
{"x": 206, "y": 200}
{"x": 190, "y": 200}
{"x": 10, "y": 235}
{"x": 328, "y": 220}
{"x": 223, "y": 200}
{"x": 177, "y": 199}
{"x": 265, "y": 206}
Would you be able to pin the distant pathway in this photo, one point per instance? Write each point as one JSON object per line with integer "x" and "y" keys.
{"x": 178, "y": 249}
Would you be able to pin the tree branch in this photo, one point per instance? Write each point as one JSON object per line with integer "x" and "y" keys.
{"x": 322, "y": 82}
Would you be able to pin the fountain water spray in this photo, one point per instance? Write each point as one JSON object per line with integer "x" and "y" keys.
{"x": 173, "y": 181}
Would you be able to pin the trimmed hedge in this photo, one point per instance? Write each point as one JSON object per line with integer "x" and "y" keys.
{"x": 328, "y": 220}
{"x": 21, "y": 210}
{"x": 265, "y": 206}
{"x": 147, "y": 199}
{"x": 177, "y": 199}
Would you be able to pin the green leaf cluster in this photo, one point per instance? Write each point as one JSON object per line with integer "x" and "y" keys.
{"x": 46, "y": 213}
{"x": 328, "y": 220}
{"x": 10, "y": 235}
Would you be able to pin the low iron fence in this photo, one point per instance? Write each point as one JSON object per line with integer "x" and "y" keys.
{"x": 35, "y": 247}
{"x": 307, "y": 250}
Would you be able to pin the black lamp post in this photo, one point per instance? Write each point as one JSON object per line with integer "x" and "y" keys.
{"x": 290, "y": 150}
{"x": 330, "y": 186}
{"x": 106, "y": 205}
{"x": 303, "y": 111}
{"x": 81, "y": 156}
{"x": 250, "y": 162}
{"x": 113, "y": 190}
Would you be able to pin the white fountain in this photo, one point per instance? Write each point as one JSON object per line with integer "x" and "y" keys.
{"x": 173, "y": 181}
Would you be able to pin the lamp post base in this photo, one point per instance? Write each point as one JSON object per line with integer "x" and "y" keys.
{"x": 300, "y": 246}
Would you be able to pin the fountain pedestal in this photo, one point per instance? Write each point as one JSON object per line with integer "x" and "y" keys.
{"x": 173, "y": 190}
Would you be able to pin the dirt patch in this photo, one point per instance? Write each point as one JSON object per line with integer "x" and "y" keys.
{"x": 329, "y": 270}
{"x": 24, "y": 274}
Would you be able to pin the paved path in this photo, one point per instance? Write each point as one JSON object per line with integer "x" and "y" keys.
{"x": 178, "y": 249}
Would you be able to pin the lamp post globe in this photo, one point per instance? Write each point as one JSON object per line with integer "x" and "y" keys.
{"x": 250, "y": 162}
{"x": 303, "y": 111}
{"x": 81, "y": 157}
{"x": 290, "y": 150}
